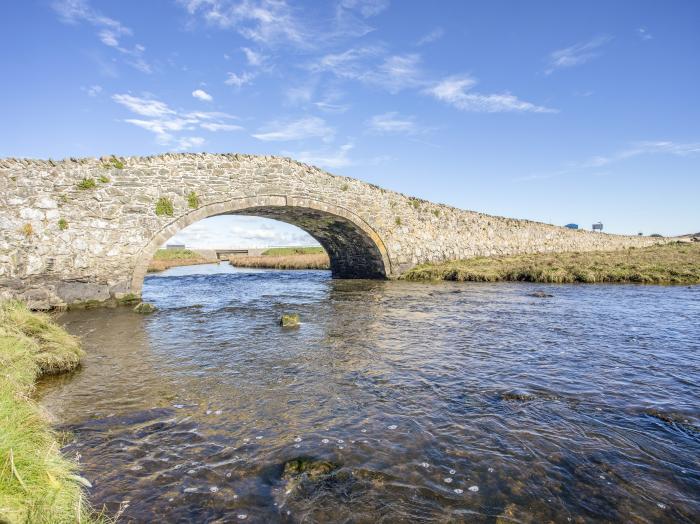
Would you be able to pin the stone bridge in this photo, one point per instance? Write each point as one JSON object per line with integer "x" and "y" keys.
{"x": 85, "y": 229}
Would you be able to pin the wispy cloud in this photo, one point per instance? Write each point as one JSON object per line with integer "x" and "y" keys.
{"x": 636, "y": 149}
{"x": 372, "y": 65}
{"x": 93, "y": 90}
{"x": 456, "y": 91}
{"x": 267, "y": 22}
{"x": 433, "y": 36}
{"x": 643, "y": 33}
{"x": 254, "y": 58}
{"x": 109, "y": 31}
{"x": 331, "y": 159}
{"x": 201, "y": 94}
{"x": 576, "y": 54}
{"x": 239, "y": 80}
{"x": 393, "y": 123}
{"x": 303, "y": 128}
{"x": 167, "y": 124}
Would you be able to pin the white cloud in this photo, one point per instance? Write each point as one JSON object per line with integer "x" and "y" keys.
{"x": 456, "y": 91}
{"x": 202, "y": 95}
{"x": 109, "y": 31}
{"x": 239, "y": 80}
{"x": 308, "y": 127}
{"x": 367, "y": 8}
{"x": 636, "y": 149}
{"x": 432, "y": 36}
{"x": 392, "y": 123}
{"x": 644, "y": 148}
{"x": 187, "y": 143}
{"x": 267, "y": 22}
{"x": 214, "y": 127}
{"x": 143, "y": 106}
{"x": 393, "y": 73}
{"x": 576, "y": 54}
{"x": 254, "y": 58}
{"x": 331, "y": 159}
{"x": 644, "y": 34}
{"x": 239, "y": 232}
{"x": 167, "y": 124}
{"x": 93, "y": 90}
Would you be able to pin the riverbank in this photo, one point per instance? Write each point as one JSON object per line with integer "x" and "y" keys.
{"x": 37, "y": 483}
{"x": 313, "y": 261}
{"x": 286, "y": 258}
{"x": 167, "y": 258}
{"x": 675, "y": 263}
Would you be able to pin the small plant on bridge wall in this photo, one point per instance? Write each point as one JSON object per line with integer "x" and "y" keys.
{"x": 87, "y": 183}
{"x": 113, "y": 162}
{"x": 398, "y": 221}
{"x": 344, "y": 187}
{"x": 104, "y": 179}
{"x": 192, "y": 200}
{"x": 62, "y": 224}
{"x": 164, "y": 207}
{"x": 414, "y": 202}
{"x": 436, "y": 212}
{"x": 27, "y": 230}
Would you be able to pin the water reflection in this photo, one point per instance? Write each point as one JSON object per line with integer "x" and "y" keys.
{"x": 449, "y": 402}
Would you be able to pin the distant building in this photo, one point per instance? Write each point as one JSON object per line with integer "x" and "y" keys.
{"x": 598, "y": 226}
{"x": 572, "y": 226}
{"x": 175, "y": 246}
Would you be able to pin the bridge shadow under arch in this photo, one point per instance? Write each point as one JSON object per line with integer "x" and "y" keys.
{"x": 354, "y": 248}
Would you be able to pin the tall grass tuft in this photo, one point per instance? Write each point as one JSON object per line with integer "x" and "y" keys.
{"x": 37, "y": 484}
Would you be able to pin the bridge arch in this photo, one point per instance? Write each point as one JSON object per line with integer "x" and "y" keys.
{"x": 354, "y": 248}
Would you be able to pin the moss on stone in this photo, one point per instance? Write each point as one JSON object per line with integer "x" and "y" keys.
{"x": 144, "y": 308}
{"x": 192, "y": 200}
{"x": 62, "y": 224}
{"x": 104, "y": 179}
{"x": 289, "y": 320}
{"x": 164, "y": 207}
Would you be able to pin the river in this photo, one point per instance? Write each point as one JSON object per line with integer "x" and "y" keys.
{"x": 447, "y": 402}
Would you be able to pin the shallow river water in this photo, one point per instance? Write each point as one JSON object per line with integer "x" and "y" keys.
{"x": 434, "y": 402}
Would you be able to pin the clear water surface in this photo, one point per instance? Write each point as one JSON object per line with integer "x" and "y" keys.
{"x": 436, "y": 402}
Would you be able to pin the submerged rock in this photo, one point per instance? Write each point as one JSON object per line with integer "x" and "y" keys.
{"x": 144, "y": 308}
{"x": 290, "y": 320}
{"x": 541, "y": 294}
{"x": 518, "y": 395}
{"x": 308, "y": 467}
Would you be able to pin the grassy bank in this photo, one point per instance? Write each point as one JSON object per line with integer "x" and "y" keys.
{"x": 309, "y": 261}
{"x": 675, "y": 263}
{"x": 37, "y": 484}
{"x": 286, "y": 251}
{"x": 167, "y": 258}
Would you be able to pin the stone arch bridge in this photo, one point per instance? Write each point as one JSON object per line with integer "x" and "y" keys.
{"x": 85, "y": 229}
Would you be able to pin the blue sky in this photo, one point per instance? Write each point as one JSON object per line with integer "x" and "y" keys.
{"x": 553, "y": 111}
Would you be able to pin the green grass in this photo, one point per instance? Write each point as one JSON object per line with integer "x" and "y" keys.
{"x": 674, "y": 263}
{"x": 37, "y": 483}
{"x": 104, "y": 179}
{"x": 284, "y": 251}
{"x": 164, "y": 207}
{"x": 113, "y": 162}
{"x": 62, "y": 224}
{"x": 86, "y": 183}
{"x": 192, "y": 200}
{"x": 174, "y": 254}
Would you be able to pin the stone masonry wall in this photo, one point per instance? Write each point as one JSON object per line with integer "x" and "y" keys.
{"x": 84, "y": 229}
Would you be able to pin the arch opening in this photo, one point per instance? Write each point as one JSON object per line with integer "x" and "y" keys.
{"x": 354, "y": 249}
